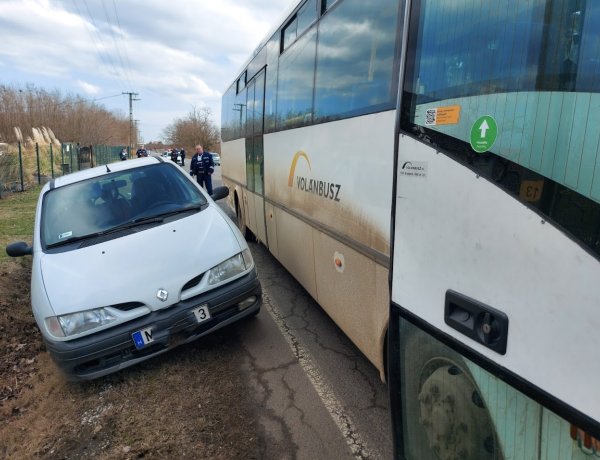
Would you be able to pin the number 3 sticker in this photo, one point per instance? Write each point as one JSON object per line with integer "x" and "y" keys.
{"x": 201, "y": 313}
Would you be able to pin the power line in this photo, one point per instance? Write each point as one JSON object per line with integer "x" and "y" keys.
{"x": 114, "y": 39}
{"x": 105, "y": 57}
{"x": 106, "y": 97}
{"x": 128, "y": 61}
{"x": 112, "y": 63}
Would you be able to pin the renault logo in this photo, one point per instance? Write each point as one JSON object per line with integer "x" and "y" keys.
{"x": 162, "y": 294}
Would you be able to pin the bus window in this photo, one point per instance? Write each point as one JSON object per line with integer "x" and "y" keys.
{"x": 295, "y": 83}
{"x": 355, "y": 59}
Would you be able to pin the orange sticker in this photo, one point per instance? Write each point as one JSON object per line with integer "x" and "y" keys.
{"x": 449, "y": 115}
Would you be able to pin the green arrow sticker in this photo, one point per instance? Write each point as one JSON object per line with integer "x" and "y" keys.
{"x": 483, "y": 134}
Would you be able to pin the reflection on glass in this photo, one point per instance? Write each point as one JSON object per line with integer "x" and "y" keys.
{"x": 355, "y": 58}
{"x": 295, "y": 86}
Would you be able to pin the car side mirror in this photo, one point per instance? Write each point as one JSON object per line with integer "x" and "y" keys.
{"x": 220, "y": 193}
{"x": 19, "y": 249}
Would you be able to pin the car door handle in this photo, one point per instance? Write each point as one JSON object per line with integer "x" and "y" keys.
{"x": 476, "y": 320}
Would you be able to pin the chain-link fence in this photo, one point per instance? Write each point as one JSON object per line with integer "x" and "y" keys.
{"x": 22, "y": 166}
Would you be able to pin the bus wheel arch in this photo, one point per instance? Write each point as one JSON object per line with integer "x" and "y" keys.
{"x": 241, "y": 223}
{"x": 239, "y": 214}
{"x": 452, "y": 420}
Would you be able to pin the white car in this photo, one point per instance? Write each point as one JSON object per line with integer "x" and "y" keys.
{"x": 216, "y": 158}
{"x": 131, "y": 259}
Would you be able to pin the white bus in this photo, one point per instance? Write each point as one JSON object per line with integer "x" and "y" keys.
{"x": 308, "y": 156}
{"x": 427, "y": 170}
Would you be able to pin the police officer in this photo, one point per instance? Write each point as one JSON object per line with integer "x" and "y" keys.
{"x": 182, "y": 154}
{"x": 202, "y": 166}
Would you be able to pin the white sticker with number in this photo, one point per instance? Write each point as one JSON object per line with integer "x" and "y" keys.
{"x": 201, "y": 313}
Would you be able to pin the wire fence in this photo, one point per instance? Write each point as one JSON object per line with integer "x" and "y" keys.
{"x": 23, "y": 166}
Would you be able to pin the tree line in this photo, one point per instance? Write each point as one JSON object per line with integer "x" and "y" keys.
{"x": 70, "y": 118}
{"x": 32, "y": 113}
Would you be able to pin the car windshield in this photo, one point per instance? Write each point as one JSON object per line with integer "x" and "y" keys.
{"x": 114, "y": 200}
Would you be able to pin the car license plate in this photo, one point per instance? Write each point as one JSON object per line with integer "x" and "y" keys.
{"x": 201, "y": 313}
{"x": 142, "y": 338}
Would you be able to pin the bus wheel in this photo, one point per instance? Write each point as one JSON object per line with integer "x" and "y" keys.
{"x": 446, "y": 416}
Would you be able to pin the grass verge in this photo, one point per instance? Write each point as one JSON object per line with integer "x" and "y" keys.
{"x": 17, "y": 213}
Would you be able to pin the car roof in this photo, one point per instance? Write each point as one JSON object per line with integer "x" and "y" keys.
{"x": 101, "y": 170}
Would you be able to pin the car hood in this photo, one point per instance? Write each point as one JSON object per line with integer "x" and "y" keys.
{"x": 134, "y": 267}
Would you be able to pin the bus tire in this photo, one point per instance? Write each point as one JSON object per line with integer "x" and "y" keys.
{"x": 449, "y": 418}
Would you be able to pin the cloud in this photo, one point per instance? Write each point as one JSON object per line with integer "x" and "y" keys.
{"x": 88, "y": 88}
{"x": 174, "y": 54}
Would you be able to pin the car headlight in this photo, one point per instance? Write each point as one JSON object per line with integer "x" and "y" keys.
{"x": 76, "y": 323}
{"x": 231, "y": 267}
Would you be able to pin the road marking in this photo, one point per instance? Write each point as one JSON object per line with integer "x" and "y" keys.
{"x": 357, "y": 446}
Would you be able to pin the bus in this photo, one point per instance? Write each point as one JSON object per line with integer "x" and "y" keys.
{"x": 427, "y": 171}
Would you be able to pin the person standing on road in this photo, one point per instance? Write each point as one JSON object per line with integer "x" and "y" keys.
{"x": 182, "y": 154}
{"x": 202, "y": 167}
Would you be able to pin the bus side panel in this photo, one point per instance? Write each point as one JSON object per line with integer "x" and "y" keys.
{"x": 353, "y": 290}
{"x": 338, "y": 174}
{"x": 296, "y": 251}
{"x": 272, "y": 229}
{"x": 457, "y": 231}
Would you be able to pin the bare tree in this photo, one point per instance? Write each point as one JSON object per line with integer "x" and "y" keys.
{"x": 196, "y": 128}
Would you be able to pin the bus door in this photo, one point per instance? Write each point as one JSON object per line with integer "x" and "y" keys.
{"x": 495, "y": 270}
{"x": 254, "y": 201}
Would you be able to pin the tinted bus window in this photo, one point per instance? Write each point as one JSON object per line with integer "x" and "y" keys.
{"x": 355, "y": 59}
{"x": 532, "y": 68}
{"x": 295, "y": 84}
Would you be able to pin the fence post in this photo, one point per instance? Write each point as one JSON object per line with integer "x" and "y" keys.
{"x": 37, "y": 157}
{"x": 21, "y": 168}
{"x": 78, "y": 158}
{"x": 51, "y": 161}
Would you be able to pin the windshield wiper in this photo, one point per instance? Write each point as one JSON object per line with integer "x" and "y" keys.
{"x": 156, "y": 219}
{"x": 196, "y": 207}
{"x": 131, "y": 224}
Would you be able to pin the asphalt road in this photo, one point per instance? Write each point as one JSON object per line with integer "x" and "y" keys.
{"x": 317, "y": 396}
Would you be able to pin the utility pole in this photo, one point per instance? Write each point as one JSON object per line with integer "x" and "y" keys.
{"x": 137, "y": 131}
{"x": 131, "y": 99}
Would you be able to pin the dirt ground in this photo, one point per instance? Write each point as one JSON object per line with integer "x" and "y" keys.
{"x": 191, "y": 402}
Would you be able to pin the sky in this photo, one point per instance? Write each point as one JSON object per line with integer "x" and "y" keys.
{"x": 176, "y": 55}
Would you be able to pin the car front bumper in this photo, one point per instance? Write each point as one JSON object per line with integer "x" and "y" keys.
{"x": 112, "y": 349}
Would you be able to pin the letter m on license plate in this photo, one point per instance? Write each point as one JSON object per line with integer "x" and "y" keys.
{"x": 142, "y": 338}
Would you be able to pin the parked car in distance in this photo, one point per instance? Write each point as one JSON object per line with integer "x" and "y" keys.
{"x": 98, "y": 232}
{"x": 216, "y": 158}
